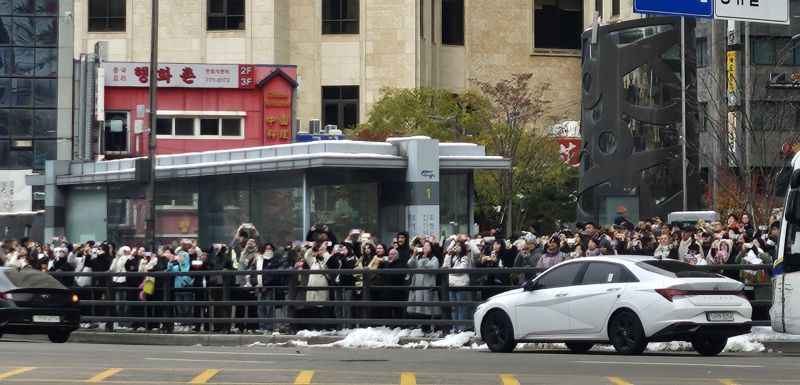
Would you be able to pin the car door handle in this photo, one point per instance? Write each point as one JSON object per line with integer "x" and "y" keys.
{"x": 561, "y": 295}
{"x": 614, "y": 289}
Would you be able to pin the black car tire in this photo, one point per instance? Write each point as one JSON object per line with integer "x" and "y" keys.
{"x": 579, "y": 347}
{"x": 59, "y": 337}
{"x": 627, "y": 334}
{"x": 709, "y": 345}
{"x": 498, "y": 332}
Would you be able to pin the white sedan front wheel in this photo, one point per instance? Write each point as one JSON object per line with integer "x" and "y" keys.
{"x": 498, "y": 332}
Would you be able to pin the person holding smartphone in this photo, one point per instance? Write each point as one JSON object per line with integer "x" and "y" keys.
{"x": 423, "y": 286}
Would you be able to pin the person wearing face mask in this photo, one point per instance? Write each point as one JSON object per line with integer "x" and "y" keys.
{"x": 245, "y": 259}
{"x": 458, "y": 259}
{"x": 264, "y": 284}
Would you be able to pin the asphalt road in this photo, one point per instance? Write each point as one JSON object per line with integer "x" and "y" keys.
{"x": 44, "y": 363}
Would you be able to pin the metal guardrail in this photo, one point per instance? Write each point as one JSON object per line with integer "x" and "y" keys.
{"x": 227, "y": 304}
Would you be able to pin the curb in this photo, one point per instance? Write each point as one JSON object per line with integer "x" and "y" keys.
{"x": 782, "y": 346}
{"x": 214, "y": 340}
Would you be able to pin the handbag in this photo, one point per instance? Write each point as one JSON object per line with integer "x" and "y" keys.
{"x": 149, "y": 286}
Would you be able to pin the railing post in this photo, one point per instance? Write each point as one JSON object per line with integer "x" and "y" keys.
{"x": 366, "y": 311}
{"x": 291, "y": 295}
{"x": 168, "y": 310}
{"x": 111, "y": 299}
{"x": 447, "y": 311}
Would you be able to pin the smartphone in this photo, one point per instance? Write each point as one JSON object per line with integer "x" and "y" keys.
{"x": 386, "y": 259}
{"x": 337, "y": 248}
{"x": 418, "y": 249}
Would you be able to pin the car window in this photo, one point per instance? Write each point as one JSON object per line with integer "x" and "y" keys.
{"x": 675, "y": 269}
{"x": 601, "y": 272}
{"x": 26, "y": 278}
{"x": 598, "y": 273}
{"x": 561, "y": 276}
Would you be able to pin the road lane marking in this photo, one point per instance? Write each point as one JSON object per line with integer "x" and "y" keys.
{"x": 242, "y": 354}
{"x": 104, "y": 375}
{"x": 408, "y": 379}
{"x": 203, "y": 377}
{"x": 191, "y": 360}
{"x": 14, "y": 372}
{"x": 508, "y": 379}
{"x": 304, "y": 378}
{"x": 725, "y": 381}
{"x": 618, "y": 381}
{"x": 665, "y": 364}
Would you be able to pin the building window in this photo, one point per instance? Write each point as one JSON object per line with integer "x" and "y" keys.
{"x": 339, "y": 17}
{"x": 433, "y": 21}
{"x": 702, "y": 117}
{"x": 106, "y": 15}
{"x": 762, "y": 50}
{"x": 200, "y": 128}
{"x": 701, "y": 50}
{"x": 115, "y": 133}
{"x": 598, "y": 6}
{"x": 340, "y": 106}
{"x": 796, "y": 56}
{"x": 421, "y": 18}
{"x": 28, "y": 83}
{"x": 453, "y": 22}
{"x": 558, "y": 24}
{"x": 225, "y": 15}
{"x": 614, "y": 7}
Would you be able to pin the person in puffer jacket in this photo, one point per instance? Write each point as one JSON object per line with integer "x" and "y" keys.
{"x": 458, "y": 258}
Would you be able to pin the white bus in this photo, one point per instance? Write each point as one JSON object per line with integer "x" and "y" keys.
{"x": 785, "y": 311}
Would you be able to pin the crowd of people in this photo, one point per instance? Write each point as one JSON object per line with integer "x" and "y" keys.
{"x": 734, "y": 241}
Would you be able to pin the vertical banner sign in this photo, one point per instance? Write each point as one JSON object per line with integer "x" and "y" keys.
{"x": 731, "y": 74}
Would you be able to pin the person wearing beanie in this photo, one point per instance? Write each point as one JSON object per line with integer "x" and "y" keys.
{"x": 552, "y": 255}
{"x": 606, "y": 248}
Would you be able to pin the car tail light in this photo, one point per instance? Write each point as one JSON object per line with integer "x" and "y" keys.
{"x": 75, "y": 298}
{"x": 6, "y": 296}
{"x": 670, "y": 294}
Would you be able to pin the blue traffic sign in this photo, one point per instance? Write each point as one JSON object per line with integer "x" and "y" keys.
{"x": 691, "y": 8}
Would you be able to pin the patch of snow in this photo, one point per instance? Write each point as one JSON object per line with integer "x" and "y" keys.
{"x": 452, "y": 341}
{"x": 416, "y": 345}
{"x": 765, "y": 333}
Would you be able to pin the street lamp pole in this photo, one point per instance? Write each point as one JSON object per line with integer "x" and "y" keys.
{"x": 684, "y": 163}
{"x": 151, "y": 154}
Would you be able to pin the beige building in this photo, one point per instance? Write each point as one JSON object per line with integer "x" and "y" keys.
{"x": 347, "y": 50}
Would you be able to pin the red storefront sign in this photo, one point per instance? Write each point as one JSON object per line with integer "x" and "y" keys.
{"x": 181, "y": 75}
{"x": 260, "y": 96}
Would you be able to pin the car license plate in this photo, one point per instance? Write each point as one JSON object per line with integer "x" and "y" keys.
{"x": 47, "y": 318}
{"x": 719, "y": 317}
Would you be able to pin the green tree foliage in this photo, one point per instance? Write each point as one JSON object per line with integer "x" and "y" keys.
{"x": 539, "y": 189}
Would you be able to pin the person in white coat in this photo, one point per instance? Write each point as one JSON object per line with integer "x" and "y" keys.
{"x": 317, "y": 259}
{"x": 124, "y": 257}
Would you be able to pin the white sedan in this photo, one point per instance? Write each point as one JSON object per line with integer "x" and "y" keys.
{"x": 627, "y": 301}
